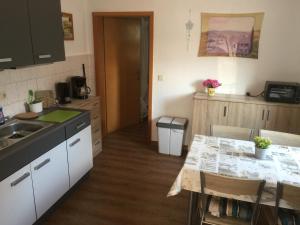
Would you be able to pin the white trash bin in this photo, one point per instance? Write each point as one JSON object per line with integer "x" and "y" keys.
{"x": 178, "y": 127}
{"x": 164, "y": 134}
{"x": 171, "y": 132}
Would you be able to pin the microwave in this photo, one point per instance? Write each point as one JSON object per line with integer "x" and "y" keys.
{"x": 282, "y": 92}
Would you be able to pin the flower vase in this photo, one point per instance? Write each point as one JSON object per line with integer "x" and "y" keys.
{"x": 211, "y": 91}
{"x": 260, "y": 153}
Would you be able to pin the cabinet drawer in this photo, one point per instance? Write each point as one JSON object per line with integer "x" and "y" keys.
{"x": 97, "y": 147}
{"x": 96, "y": 136}
{"x": 96, "y": 125}
{"x": 77, "y": 126}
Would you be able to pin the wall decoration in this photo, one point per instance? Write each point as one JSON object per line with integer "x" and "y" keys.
{"x": 67, "y": 20}
{"x": 234, "y": 35}
{"x": 189, "y": 27}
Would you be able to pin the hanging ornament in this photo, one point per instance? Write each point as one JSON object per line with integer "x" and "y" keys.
{"x": 189, "y": 26}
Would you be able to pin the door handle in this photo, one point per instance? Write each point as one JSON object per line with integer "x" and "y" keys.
{"x": 5, "y": 60}
{"x": 263, "y": 115}
{"x": 225, "y": 111}
{"x": 20, "y": 179}
{"x": 80, "y": 125}
{"x": 268, "y": 115}
{"x": 47, "y": 56}
{"x": 42, "y": 164}
{"x": 75, "y": 142}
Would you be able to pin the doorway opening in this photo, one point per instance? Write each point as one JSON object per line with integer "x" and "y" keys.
{"x": 123, "y": 45}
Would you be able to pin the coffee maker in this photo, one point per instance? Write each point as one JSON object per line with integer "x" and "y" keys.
{"x": 63, "y": 94}
{"x": 78, "y": 85}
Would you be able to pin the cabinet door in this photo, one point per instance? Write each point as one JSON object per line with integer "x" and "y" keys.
{"x": 278, "y": 118}
{"x": 80, "y": 156}
{"x": 295, "y": 121}
{"x": 199, "y": 118}
{"x": 50, "y": 178}
{"x": 217, "y": 113}
{"x": 16, "y": 199}
{"x": 46, "y": 30}
{"x": 247, "y": 115}
{"x": 15, "y": 40}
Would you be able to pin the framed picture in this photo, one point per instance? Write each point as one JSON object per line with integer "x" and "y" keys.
{"x": 67, "y": 20}
{"x": 232, "y": 35}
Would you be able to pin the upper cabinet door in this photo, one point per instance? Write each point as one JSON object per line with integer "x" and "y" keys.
{"x": 46, "y": 30}
{"x": 15, "y": 41}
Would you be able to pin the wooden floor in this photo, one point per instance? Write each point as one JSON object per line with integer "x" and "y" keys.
{"x": 127, "y": 186}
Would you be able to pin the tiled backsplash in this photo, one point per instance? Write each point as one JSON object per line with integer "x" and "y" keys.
{"x": 16, "y": 83}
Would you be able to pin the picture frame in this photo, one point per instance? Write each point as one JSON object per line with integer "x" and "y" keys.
{"x": 68, "y": 29}
{"x": 230, "y": 35}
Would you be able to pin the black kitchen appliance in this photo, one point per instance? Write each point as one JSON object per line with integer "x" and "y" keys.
{"x": 285, "y": 92}
{"x": 63, "y": 93}
{"x": 78, "y": 85}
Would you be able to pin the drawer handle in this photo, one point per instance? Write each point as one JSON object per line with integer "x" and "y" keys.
{"x": 95, "y": 117}
{"x": 75, "y": 142}
{"x": 225, "y": 111}
{"x": 97, "y": 142}
{"x": 6, "y": 60}
{"x": 48, "y": 56}
{"x": 80, "y": 125}
{"x": 42, "y": 164}
{"x": 20, "y": 179}
{"x": 268, "y": 115}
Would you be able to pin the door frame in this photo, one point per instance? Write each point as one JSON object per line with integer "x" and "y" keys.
{"x": 99, "y": 54}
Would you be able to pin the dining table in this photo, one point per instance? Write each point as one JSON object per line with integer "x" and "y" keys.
{"x": 236, "y": 159}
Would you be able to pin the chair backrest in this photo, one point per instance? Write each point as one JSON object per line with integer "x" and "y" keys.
{"x": 280, "y": 138}
{"x": 239, "y": 133}
{"x": 232, "y": 186}
{"x": 289, "y": 193}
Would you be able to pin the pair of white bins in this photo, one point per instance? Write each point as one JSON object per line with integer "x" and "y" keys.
{"x": 171, "y": 132}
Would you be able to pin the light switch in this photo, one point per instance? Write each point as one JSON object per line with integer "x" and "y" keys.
{"x": 161, "y": 77}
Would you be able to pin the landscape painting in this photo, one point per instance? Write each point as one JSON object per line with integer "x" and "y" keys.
{"x": 233, "y": 35}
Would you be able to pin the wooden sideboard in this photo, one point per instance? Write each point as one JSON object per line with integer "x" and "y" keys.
{"x": 243, "y": 111}
{"x": 93, "y": 105}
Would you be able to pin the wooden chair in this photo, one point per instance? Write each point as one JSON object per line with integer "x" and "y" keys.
{"x": 280, "y": 138}
{"x": 229, "y": 186}
{"x": 231, "y": 132}
{"x": 289, "y": 193}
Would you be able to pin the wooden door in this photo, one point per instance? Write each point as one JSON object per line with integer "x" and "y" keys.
{"x": 247, "y": 115}
{"x": 278, "y": 118}
{"x": 122, "y": 65}
{"x": 217, "y": 113}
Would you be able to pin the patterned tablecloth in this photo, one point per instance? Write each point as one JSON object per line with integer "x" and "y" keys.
{"x": 235, "y": 158}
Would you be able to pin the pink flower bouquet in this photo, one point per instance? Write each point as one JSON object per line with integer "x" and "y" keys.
{"x": 211, "y": 83}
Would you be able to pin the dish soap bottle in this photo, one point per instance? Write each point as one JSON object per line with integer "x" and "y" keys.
{"x": 2, "y": 119}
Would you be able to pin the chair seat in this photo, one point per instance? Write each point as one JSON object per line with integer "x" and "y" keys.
{"x": 225, "y": 220}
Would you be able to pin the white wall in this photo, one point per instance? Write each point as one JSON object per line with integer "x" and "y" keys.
{"x": 182, "y": 70}
{"x": 78, "y": 8}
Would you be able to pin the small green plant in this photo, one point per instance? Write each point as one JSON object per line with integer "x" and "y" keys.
{"x": 261, "y": 142}
{"x": 30, "y": 98}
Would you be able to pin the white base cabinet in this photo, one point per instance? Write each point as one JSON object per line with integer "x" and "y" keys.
{"x": 80, "y": 156}
{"x": 50, "y": 178}
{"x": 16, "y": 199}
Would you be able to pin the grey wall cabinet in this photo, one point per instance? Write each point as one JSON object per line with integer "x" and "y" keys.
{"x": 30, "y": 33}
{"x": 46, "y": 31}
{"x": 15, "y": 38}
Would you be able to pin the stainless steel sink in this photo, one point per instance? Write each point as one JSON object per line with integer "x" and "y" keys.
{"x": 17, "y": 130}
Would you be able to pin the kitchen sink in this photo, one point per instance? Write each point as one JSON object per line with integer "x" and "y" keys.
{"x": 17, "y": 130}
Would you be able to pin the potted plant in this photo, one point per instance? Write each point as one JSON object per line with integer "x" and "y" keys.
{"x": 34, "y": 105}
{"x": 261, "y": 146}
{"x": 211, "y": 86}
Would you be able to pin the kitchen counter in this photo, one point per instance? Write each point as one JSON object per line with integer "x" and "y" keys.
{"x": 25, "y": 151}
